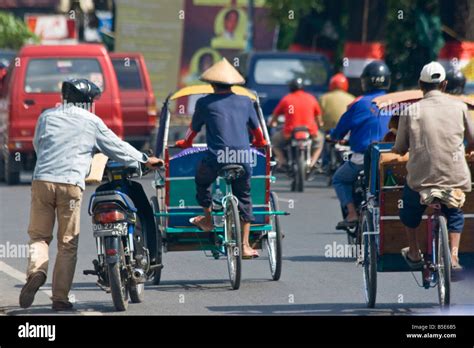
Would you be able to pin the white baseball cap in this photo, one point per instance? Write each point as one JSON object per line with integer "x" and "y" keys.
{"x": 433, "y": 73}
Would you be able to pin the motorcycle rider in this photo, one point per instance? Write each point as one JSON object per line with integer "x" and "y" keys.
{"x": 365, "y": 125}
{"x": 456, "y": 82}
{"x": 65, "y": 140}
{"x": 334, "y": 104}
{"x": 301, "y": 109}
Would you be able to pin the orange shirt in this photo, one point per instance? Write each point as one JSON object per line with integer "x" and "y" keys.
{"x": 300, "y": 109}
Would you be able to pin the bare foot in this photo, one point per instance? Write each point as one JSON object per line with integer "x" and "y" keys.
{"x": 414, "y": 256}
{"x": 248, "y": 251}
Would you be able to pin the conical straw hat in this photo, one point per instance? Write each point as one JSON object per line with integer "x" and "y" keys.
{"x": 222, "y": 72}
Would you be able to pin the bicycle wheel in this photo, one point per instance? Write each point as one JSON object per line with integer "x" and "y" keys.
{"x": 273, "y": 242}
{"x": 443, "y": 260}
{"x": 233, "y": 242}
{"x": 369, "y": 247}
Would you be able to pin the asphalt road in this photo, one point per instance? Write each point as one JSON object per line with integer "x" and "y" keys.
{"x": 311, "y": 284}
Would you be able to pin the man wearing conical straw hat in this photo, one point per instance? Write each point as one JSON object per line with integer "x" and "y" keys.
{"x": 228, "y": 118}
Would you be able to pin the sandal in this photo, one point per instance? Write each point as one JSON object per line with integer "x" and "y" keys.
{"x": 345, "y": 224}
{"x": 414, "y": 265}
{"x": 457, "y": 272}
{"x": 198, "y": 222}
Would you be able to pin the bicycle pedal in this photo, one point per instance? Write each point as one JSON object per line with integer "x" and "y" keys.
{"x": 89, "y": 272}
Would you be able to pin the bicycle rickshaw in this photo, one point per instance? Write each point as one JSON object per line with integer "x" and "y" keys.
{"x": 382, "y": 233}
{"x": 175, "y": 201}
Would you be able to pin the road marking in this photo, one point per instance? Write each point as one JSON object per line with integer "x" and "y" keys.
{"x": 20, "y": 276}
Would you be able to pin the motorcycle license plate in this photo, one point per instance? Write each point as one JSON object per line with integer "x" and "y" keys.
{"x": 110, "y": 229}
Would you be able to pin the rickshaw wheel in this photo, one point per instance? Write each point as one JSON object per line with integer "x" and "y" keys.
{"x": 273, "y": 244}
{"x": 443, "y": 261}
{"x": 369, "y": 248}
{"x": 159, "y": 242}
{"x": 234, "y": 243}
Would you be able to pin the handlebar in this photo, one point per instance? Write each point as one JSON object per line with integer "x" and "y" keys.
{"x": 340, "y": 142}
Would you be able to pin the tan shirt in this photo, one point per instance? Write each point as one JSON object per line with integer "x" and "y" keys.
{"x": 333, "y": 105}
{"x": 433, "y": 130}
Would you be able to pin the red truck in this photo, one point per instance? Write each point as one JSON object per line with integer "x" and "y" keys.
{"x": 136, "y": 97}
{"x": 33, "y": 84}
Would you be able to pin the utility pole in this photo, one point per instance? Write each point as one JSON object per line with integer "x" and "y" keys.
{"x": 250, "y": 26}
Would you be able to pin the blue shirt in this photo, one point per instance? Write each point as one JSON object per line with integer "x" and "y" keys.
{"x": 227, "y": 118}
{"x": 65, "y": 141}
{"x": 364, "y": 122}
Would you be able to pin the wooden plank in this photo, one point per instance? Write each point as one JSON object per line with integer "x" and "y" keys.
{"x": 394, "y": 236}
{"x": 395, "y": 239}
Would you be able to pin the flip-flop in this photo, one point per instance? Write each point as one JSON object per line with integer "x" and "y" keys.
{"x": 414, "y": 265}
{"x": 198, "y": 225}
{"x": 457, "y": 273}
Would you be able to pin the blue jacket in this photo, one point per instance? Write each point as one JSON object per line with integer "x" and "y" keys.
{"x": 362, "y": 119}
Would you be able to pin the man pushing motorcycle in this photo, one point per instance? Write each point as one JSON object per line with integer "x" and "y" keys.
{"x": 65, "y": 140}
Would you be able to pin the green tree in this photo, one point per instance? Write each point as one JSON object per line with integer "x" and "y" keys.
{"x": 14, "y": 33}
{"x": 288, "y": 13}
{"x": 413, "y": 39}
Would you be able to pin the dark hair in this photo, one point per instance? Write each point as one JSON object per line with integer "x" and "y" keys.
{"x": 227, "y": 15}
{"x": 221, "y": 86}
{"x": 427, "y": 87}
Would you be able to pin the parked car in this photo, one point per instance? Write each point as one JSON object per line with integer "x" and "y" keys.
{"x": 268, "y": 73}
{"x": 6, "y": 56}
{"x": 34, "y": 85}
{"x": 136, "y": 97}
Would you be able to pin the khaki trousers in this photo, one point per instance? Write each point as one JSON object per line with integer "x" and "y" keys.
{"x": 48, "y": 201}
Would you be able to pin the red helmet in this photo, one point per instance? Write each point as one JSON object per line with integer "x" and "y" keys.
{"x": 339, "y": 81}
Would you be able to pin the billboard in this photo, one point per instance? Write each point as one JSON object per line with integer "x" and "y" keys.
{"x": 181, "y": 38}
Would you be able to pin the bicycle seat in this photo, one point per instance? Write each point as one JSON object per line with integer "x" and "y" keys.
{"x": 231, "y": 172}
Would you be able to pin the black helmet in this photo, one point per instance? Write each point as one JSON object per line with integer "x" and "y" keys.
{"x": 296, "y": 84}
{"x": 456, "y": 81}
{"x": 376, "y": 75}
{"x": 80, "y": 91}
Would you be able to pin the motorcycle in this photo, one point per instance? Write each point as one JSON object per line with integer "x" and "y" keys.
{"x": 298, "y": 152}
{"x": 337, "y": 154}
{"x": 128, "y": 243}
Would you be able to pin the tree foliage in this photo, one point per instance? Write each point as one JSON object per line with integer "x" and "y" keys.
{"x": 13, "y": 32}
{"x": 405, "y": 51}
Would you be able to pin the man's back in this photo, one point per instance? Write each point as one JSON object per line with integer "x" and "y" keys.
{"x": 334, "y": 105}
{"x": 433, "y": 130}
{"x": 65, "y": 140}
{"x": 227, "y": 118}
{"x": 364, "y": 122}
{"x": 300, "y": 109}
